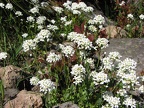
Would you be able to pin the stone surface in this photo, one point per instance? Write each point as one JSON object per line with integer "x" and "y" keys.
{"x": 66, "y": 105}
{"x": 129, "y": 48}
{"x": 9, "y": 75}
{"x": 10, "y": 94}
{"x": 25, "y": 99}
{"x": 115, "y": 32}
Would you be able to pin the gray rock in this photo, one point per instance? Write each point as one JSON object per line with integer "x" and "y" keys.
{"x": 129, "y": 48}
{"x": 10, "y": 75}
{"x": 10, "y": 94}
{"x": 66, "y": 105}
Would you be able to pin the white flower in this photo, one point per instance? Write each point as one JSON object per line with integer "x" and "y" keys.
{"x": 30, "y": 19}
{"x": 82, "y": 55}
{"x": 34, "y": 1}
{"x": 114, "y": 55}
{"x": 102, "y": 42}
{"x": 9, "y": 6}
{"x": 67, "y": 50}
{"x": 114, "y": 102}
{"x": 127, "y": 64}
{"x": 34, "y": 10}
{"x": 90, "y": 61}
{"x": 2, "y": 5}
{"x": 92, "y": 28}
{"x": 74, "y": 6}
{"x": 67, "y": 5}
{"x": 130, "y": 16}
{"x": 28, "y": 45}
{"x": 24, "y": 35}
{"x": 122, "y": 3}
{"x": 88, "y": 9}
{"x": 52, "y": 57}
{"x": 18, "y": 13}
{"x": 142, "y": 78}
{"x": 81, "y": 40}
{"x": 34, "y": 81}
{"x": 44, "y": 4}
{"x": 141, "y": 17}
{"x": 41, "y": 19}
{"x": 141, "y": 89}
{"x": 58, "y": 9}
{"x": 63, "y": 34}
{"x": 106, "y": 106}
{"x": 78, "y": 70}
{"x": 108, "y": 63}
{"x": 3, "y": 55}
{"x": 52, "y": 21}
{"x": 63, "y": 19}
{"x": 129, "y": 79}
{"x": 122, "y": 92}
{"x": 40, "y": 27}
{"x": 98, "y": 19}
{"x": 82, "y": 5}
{"x": 91, "y": 22}
{"x": 76, "y": 12}
{"x": 46, "y": 85}
{"x": 52, "y": 27}
{"x": 128, "y": 25}
{"x": 100, "y": 26}
{"x": 42, "y": 35}
{"x": 77, "y": 79}
{"x": 130, "y": 102}
{"x": 68, "y": 23}
{"x": 99, "y": 77}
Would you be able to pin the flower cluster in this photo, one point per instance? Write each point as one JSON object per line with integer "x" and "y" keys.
{"x": 97, "y": 20}
{"x": 129, "y": 101}
{"x": 28, "y": 45}
{"x": 130, "y": 16}
{"x": 99, "y": 78}
{"x": 9, "y": 6}
{"x": 114, "y": 102}
{"x": 2, "y": 5}
{"x": 141, "y": 17}
{"x": 34, "y": 10}
{"x": 46, "y": 85}
{"x": 81, "y": 40}
{"x": 58, "y": 9}
{"x": 18, "y": 13}
{"x": 30, "y": 19}
{"x": 52, "y": 27}
{"x": 34, "y": 81}
{"x": 90, "y": 61}
{"x": 52, "y": 57}
{"x": 77, "y": 8}
{"x": 122, "y": 3}
{"x": 24, "y": 35}
{"x": 111, "y": 61}
{"x": 67, "y": 50}
{"x": 78, "y": 72}
{"x": 40, "y": 20}
{"x": 102, "y": 42}
{"x": 127, "y": 65}
{"x": 92, "y": 28}
{"x": 42, "y": 35}
{"x": 3, "y": 55}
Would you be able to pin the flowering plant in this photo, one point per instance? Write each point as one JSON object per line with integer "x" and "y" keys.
{"x": 63, "y": 54}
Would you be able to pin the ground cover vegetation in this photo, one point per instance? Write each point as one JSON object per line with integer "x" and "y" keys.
{"x": 58, "y": 44}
